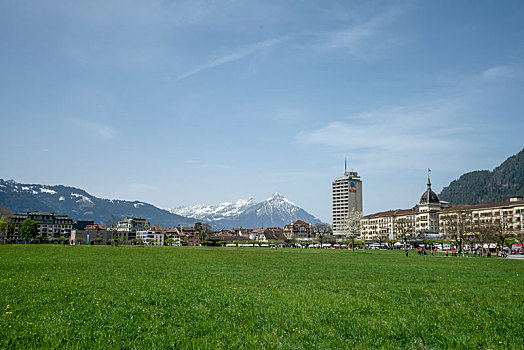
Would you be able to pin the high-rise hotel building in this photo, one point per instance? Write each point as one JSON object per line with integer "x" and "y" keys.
{"x": 347, "y": 197}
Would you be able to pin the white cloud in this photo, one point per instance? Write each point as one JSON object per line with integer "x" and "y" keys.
{"x": 364, "y": 39}
{"x": 235, "y": 55}
{"x": 501, "y": 72}
{"x": 406, "y": 136}
{"x": 96, "y": 129}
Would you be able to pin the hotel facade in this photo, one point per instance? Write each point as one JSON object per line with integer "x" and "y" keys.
{"x": 435, "y": 219}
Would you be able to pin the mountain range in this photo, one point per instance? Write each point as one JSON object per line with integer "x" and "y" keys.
{"x": 80, "y": 205}
{"x": 274, "y": 211}
{"x": 485, "y": 186}
{"x": 476, "y": 187}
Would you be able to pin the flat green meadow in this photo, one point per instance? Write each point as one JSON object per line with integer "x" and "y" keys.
{"x": 198, "y": 298}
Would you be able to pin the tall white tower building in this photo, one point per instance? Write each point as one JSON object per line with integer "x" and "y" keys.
{"x": 347, "y": 197}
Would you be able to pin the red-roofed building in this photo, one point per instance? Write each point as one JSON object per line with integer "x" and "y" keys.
{"x": 95, "y": 227}
{"x": 189, "y": 236}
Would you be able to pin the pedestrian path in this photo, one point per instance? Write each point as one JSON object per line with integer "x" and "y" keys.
{"x": 517, "y": 257}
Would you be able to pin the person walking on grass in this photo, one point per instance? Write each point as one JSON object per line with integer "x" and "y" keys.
{"x": 407, "y": 252}
{"x": 447, "y": 252}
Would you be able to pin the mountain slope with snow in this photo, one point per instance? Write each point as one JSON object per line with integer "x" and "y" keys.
{"x": 80, "y": 205}
{"x": 274, "y": 211}
{"x": 214, "y": 212}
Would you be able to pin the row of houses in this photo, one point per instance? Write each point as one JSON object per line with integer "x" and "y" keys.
{"x": 133, "y": 230}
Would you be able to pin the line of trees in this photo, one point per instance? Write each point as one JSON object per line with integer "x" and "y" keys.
{"x": 462, "y": 226}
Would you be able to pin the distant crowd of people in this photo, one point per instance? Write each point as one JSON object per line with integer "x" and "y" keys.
{"x": 454, "y": 252}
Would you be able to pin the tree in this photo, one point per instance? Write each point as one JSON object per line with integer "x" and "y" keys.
{"x": 170, "y": 241}
{"x": 4, "y": 211}
{"x": 458, "y": 222}
{"x": 112, "y": 222}
{"x": 97, "y": 241}
{"x": 350, "y": 227}
{"x": 203, "y": 230}
{"x": 483, "y": 233}
{"x": 322, "y": 231}
{"x": 61, "y": 240}
{"x": 501, "y": 232}
{"x": 28, "y": 229}
{"x": 79, "y": 240}
{"x": 116, "y": 240}
{"x": 3, "y": 227}
{"x": 5, "y": 214}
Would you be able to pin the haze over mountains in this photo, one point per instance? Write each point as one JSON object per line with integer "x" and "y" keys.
{"x": 80, "y": 205}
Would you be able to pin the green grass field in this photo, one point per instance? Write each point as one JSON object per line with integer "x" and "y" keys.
{"x": 166, "y": 297}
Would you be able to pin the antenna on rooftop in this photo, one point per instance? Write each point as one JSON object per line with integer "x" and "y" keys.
{"x": 345, "y": 165}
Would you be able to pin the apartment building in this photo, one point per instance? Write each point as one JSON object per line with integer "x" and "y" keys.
{"x": 128, "y": 227}
{"x": 91, "y": 235}
{"x": 159, "y": 236}
{"x": 49, "y": 225}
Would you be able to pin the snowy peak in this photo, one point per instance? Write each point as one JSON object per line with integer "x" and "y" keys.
{"x": 214, "y": 212}
{"x": 276, "y": 210}
{"x": 279, "y": 199}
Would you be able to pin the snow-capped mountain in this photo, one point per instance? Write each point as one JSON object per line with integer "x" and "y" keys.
{"x": 214, "y": 212}
{"x": 80, "y": 205}
{"x": 274, "y": 211}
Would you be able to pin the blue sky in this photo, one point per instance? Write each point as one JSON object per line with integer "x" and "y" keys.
{"x": 185, "y": 102}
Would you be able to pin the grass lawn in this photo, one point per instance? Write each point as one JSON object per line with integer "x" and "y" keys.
{"x": 167, "y": 297}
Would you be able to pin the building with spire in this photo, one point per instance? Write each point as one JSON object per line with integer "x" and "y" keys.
{"x": 421, "y": 221}
{"x": 434, "y": 219}
{"x": 347, "y": 198}
{"x": 427, "y": 212}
